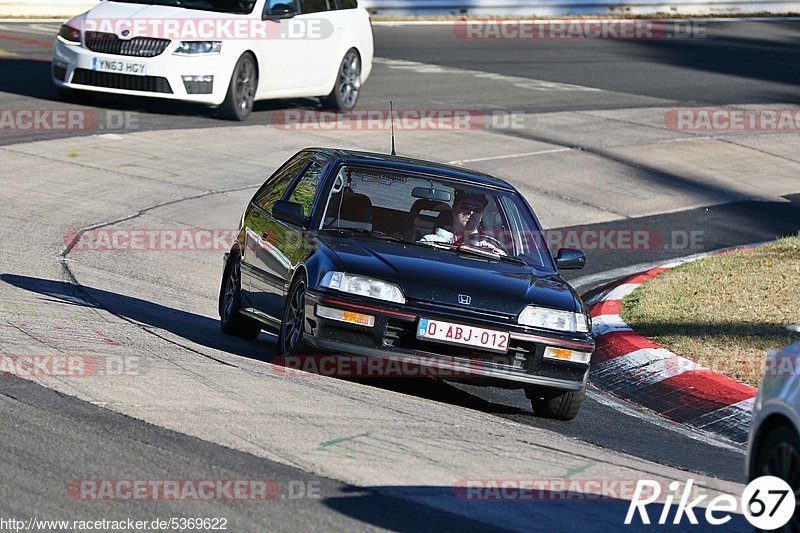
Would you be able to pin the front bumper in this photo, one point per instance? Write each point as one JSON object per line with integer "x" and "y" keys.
{"x": 392, "y": 338}
{"x": 74, "y": 67}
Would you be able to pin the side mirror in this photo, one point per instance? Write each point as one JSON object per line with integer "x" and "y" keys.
{"x": 278, "y": 11}
{"x": 568, "y": 259}
{"x": 289, "y": 212}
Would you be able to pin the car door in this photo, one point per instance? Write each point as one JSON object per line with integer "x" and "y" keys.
{"x": 287, "y": 245}
{"x": 327, "y": 27}
{"x": 283, "y": 55}
{"x": 260, "y": 258}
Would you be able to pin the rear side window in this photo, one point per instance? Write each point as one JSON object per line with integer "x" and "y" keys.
{"x": 348, "y": 4}
{"x": 278, "y": 184}
{"x": 316, "y": 6}
{"x": 306, "y": 189}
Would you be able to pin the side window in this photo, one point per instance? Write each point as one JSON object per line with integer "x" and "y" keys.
{"x": 280, "y": 183}
{"x": 306, "y": 189}
{"x": 282, "y": 5}
{"x": 348, "y": 4}
{"x": 315, "y": 6}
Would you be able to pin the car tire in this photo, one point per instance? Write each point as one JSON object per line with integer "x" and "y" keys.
{"x": 779, "y": 456}
{"x": 347, "y": 88}
{"x": 290, "y": 338}
{"x": 232, "y": 321}
{"x": 555, "y": 404}
{"x": 242, "y": 89}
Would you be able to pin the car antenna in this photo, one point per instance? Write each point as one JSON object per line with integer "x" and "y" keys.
{"x": 391, "y": 116}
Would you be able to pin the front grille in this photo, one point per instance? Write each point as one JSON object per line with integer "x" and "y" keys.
{"x": 108, "y": 43}
{"x": 149, "y": 84}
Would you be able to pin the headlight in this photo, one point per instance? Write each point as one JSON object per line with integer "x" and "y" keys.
{"x": 192, "y": 48}
{"x": 69, "y": 35}
{"x": 540, "y": 317}
{"x": 363, "y": 286}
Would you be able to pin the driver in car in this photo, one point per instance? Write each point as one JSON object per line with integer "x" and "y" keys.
{"x": 468, "y": 210}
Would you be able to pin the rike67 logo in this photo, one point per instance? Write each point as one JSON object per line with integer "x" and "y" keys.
{"x": 767, "y": 503}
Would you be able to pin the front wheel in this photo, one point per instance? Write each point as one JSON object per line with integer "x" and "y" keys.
{"x": 559, "y": 405}
{"x": 241, "y": 96}
{"x": 344, "y": 96}
{"x": 290, "y": 339}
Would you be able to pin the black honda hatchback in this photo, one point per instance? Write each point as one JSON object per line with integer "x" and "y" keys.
{"x": 355, "y": 253}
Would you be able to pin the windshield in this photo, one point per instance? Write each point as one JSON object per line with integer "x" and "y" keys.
{"x": 437, "y": 212}
{"x": 236, "y": 7}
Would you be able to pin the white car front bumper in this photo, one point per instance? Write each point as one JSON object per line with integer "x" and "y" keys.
{"x": 164, "y": 73}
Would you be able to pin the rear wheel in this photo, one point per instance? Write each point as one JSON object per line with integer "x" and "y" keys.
{"x": 344, "y": 96}
{"x": 232, "y": 321}
{"x": 241, "y": 96}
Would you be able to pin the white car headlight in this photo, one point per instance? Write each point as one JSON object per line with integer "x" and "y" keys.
{"x": 363, "y": 286}
{"x": 69, "y": 35}
{"x": 193, "y": 48}
{"x": 540, "y": 317}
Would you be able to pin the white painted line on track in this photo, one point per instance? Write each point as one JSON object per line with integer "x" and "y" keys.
{"x": 45, "y": 29}
{"x": 30, "y": 28}
{"x": 516, "y": 81}
{"x": 508, "y": 156}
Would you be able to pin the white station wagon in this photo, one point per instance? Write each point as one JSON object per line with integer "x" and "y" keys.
{"x": 224, "y": 53}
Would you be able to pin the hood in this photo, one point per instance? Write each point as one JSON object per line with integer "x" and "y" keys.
{"x": 440, "y": 276}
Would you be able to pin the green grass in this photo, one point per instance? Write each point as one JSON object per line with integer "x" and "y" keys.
{"x": 726, "y": 311}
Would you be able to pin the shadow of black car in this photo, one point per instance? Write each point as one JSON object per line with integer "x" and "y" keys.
{"x": 205, "y": 331}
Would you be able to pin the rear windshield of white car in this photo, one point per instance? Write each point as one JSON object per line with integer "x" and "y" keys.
{"x": 220, "y": 6}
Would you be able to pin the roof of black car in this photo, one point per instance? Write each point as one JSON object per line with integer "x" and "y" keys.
{"x": 411, "y": 164}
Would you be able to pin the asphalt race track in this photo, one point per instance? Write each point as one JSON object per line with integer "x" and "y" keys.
{"x": 593, "y": 153}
